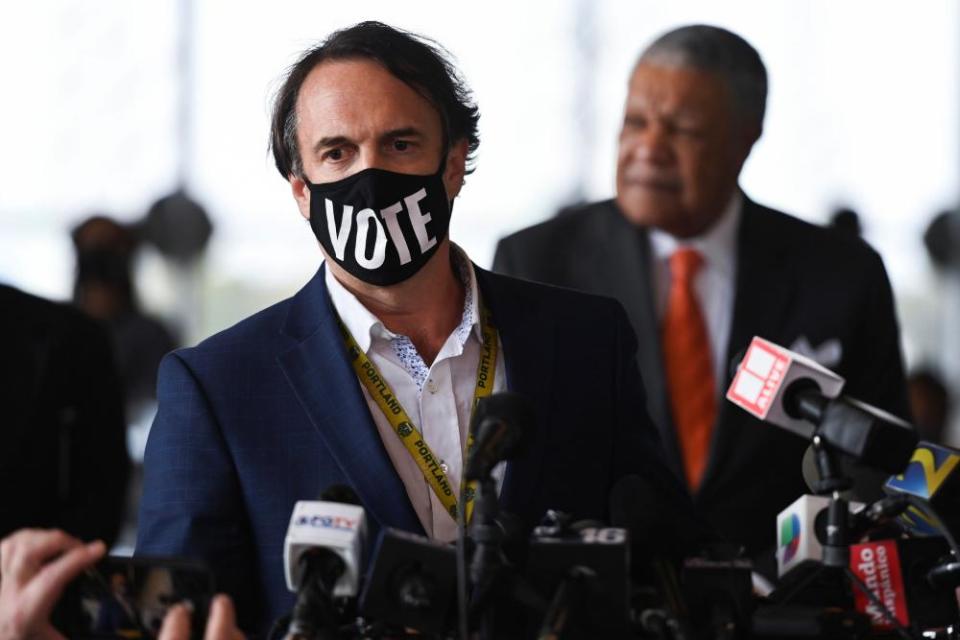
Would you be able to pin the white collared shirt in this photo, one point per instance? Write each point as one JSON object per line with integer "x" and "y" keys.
{"x": 714, "y": 284}
{"x": 438, "y": 398}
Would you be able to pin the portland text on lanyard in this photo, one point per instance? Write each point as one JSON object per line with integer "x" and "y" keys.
{"x": 403, "y": 426}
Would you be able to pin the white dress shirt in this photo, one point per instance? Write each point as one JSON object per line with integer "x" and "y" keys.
{"x": 438, "y": 398}
{"x": 715, "y": 282}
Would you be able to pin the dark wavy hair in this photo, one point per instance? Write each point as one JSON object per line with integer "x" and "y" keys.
{"x": 415, "y": 60}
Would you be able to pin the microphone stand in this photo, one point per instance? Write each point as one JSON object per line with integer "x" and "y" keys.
{"x": 487, "y": 565}
{"x": 565, "y": 596}
{"x": 492, "y": 578}
{"x": 836, "y": 548}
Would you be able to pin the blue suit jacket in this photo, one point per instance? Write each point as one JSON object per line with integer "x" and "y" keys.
{"x": 269, "y": 412}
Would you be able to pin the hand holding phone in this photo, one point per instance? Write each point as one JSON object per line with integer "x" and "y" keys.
{"x": 35, "y": 567}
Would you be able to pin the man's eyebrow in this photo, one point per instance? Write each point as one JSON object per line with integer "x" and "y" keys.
{"x": 330, "y": 141}
{"x": 403, "y": 132}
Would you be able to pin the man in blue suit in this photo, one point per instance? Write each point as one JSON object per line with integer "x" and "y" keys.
{"x": 389, "y": 344}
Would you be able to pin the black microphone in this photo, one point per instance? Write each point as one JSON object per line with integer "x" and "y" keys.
{"x": 795, "y": 393}
{"x": 411, "y": 583}
{"x": 585, "y": 565}
{"x": 502, "y": 425}
{"x": 323, "y": 556}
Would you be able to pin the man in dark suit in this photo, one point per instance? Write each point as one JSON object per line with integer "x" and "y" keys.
{"x": 701, "y": 269}
{"x": 63, "y": 461}
{"x": 390, "y": 343}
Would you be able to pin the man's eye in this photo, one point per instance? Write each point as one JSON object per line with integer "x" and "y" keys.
{"x": 401, "y": 145}
{"x": 334, "y": 154}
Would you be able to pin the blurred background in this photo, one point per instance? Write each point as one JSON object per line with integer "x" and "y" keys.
{"x": 156, "y": 114}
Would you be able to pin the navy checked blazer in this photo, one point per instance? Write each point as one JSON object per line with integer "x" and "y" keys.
{"x": 269, "y": 412}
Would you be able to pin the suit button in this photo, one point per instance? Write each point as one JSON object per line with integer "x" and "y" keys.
{"x": 431, "y": 386}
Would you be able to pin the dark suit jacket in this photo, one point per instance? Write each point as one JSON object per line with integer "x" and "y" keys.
{"x": 793, "y": 279}
{"x": 63, "y": 461}
{"x": 270, "y": 412}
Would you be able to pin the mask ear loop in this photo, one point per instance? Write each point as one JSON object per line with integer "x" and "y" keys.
{"x": 444, "y": 151}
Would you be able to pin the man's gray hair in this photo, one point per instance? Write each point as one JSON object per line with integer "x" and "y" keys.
{"x": 724, "y": 53}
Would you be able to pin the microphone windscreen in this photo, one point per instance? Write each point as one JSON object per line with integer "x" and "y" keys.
{"x": 510, "y": 408}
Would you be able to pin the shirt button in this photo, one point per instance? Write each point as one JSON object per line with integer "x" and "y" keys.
{"x": 444, "y": 467}
{"x": 431, "y": 386}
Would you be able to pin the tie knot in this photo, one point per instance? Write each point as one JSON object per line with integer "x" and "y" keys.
{"x": 684, "y": 264}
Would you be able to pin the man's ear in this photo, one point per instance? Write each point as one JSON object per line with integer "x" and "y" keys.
{"x": 301, "y": 193}
{"x": 456, "y": 168}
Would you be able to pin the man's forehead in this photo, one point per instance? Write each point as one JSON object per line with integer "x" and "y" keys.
{"x": 347, "y": 97}
{"x": 675, "y": 88}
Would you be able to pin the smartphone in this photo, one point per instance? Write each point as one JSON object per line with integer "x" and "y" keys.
{"x": 125, "y": 597}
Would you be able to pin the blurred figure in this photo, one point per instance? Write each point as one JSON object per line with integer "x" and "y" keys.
{"x": 104, "y": 289}
{"x": 117, "y": 613}
{"x": 701, "y": 269}
{"x": 846, "y": 221}
{"x": 37, "y": 565}
{"x": 930, "y": 404}
{"x": 63, "y": 457}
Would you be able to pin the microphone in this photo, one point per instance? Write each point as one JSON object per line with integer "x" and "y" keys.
{"x": 322, "y": 558}
{"x": 411, "y": 583}
{"x": 801, "y": 533}
{"x": 502, "y": 425}
{"x": 795, "y": 393}
{"x": 897, "y": 573}
{"x": 765, "y": 374}
{"x": 932, "y": 475}
{"x": 586, "y": 567}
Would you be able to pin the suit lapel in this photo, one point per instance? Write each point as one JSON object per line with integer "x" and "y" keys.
{"x": 763, "y": 292}
{"x": 629, "y": 279}
{"x": 528, "y": 348}
{"x": 326, "y": 386}
{"x": 649, "y": 353}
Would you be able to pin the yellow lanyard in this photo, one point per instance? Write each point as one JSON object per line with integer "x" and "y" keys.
{"x": 403, "y": 426}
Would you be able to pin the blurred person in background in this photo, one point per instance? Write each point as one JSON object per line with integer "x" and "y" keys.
{"x": 104, "y": 289}
{"x": 702, "y": 269}
{"x": 930, "y": 404}
{"x": 63, "y": 458}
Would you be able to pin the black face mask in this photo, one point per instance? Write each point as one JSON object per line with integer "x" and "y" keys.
{"x": 381, "y": 226}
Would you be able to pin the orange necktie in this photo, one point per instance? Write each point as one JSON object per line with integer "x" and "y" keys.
{"x": 686, "y": 354}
